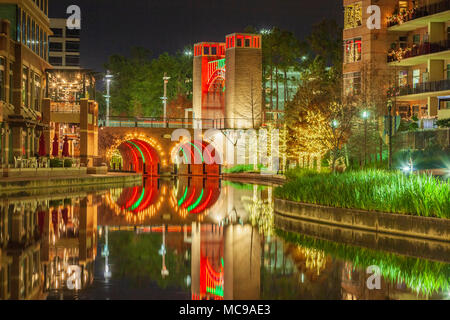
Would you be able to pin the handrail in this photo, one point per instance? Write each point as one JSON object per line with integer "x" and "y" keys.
{"x": 415, "y": 50}
{"x": 424, "y": 87}
{"x": 420, "y": 12}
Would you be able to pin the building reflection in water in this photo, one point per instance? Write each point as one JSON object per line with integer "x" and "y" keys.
{"x": 217, "y": 237}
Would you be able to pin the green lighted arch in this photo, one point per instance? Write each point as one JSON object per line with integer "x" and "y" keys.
{"x": 193, "y": 206}
{"x": 139, "y": 149}
{"x": 134, "y": 206}
{"x": 180, "y": 202}
{"x": 199, "y": 151}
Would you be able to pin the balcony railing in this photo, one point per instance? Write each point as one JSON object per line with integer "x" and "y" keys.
{"x": 415, "y": 50}
{"x": 419, "y": 12}
{"x": 431, "y": 86}
{"x": 65, "y": 107}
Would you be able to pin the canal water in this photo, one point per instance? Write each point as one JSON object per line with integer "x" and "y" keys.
{"x": 195, "y": 238}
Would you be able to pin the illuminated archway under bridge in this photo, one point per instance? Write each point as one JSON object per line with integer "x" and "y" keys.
{"x": 151, "y": 151}
{"x": 196, "y": 158}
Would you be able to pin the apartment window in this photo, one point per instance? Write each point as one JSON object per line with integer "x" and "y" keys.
{"x": 11, "y": 83}
{"x": 213, "y": 50}
{"x": 24, "y": 28}
{"x": 2, "y": 79}
{"x": 403, "y": 42}
{"x": 239, "y": 43}
{"x": 56, "y": 46}
{"x": 28, "y": 32}
{"x": 25, "y": 87}
{"x": 416, "y": 77}
{"x": 352, "y": 50}
{"x": 403, "y": 78}
{"x": 353, "y": 15}
{"x": 416, "y": 38}
{"x": 55, "y": 61}
{"x": 74, "y": 46}
{"x": 41, "y": 43}
{"x": 33, "y": 36}
{"x": 57, "y": 32}
{"x": 352, "y": 83}
{"x": 72, "y": 33}
{"x": 247, "y": 43}
{"x": 37, "y": 93}
{"x": 72, "y": 60}
{"x": 206, "y": 51}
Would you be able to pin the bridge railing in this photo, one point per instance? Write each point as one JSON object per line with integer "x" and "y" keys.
{"x": 175, "y": 123}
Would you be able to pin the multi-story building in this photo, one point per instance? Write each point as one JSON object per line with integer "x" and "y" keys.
{"x": 279, "y": 89}
{"x": 406, "y": 60}
{"x": 24, "y": 32}
{"x": 64, "y": 45}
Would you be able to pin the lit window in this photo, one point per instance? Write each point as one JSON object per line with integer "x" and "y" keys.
{"x": 352, "y": 83}
{"x": 352, "y": 50}
{"x": 353, "y": 16}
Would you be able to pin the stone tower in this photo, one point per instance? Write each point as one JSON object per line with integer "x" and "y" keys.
{"x": 208, "y": 82}
{"x": 243, "y": 97}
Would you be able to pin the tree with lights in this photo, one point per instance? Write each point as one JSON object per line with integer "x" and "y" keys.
{"x": 318, "y": 121}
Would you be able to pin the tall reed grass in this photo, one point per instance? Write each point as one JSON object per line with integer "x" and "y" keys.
{"x": 372, "y": 190}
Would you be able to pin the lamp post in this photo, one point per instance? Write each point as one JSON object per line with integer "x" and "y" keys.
{"x": 166, "y": 81}
{"x": 389, "y": 104}
{"x": 108, "y": 78}
{"x": 334, "y": 126}
{"x": 365, "y": 116}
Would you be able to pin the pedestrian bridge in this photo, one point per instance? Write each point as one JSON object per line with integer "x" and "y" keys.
{"x": 146, "y": 146}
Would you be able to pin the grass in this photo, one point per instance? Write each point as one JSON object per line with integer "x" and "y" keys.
{"x": 372, "y": 190}
{"x": 243, "y": 168}
{"x": 422, "y": 276}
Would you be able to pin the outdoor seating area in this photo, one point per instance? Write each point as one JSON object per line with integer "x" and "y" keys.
{"x": 45, "y": 162}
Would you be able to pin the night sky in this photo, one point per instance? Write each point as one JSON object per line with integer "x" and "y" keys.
{"x": 113, "y": 26}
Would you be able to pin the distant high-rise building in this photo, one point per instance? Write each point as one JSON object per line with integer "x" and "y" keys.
{"x": 64, "y": 45}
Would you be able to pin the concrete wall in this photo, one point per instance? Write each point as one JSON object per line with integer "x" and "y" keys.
{"x": 405, "y": 225}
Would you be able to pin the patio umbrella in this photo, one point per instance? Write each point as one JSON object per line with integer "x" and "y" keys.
{"x": 65, "y": 151}
{"x": 65, "y": 215}
{"x": 42, "y": 152}
{"x": 55, "y": 220}
{"x": 55, "y": 148}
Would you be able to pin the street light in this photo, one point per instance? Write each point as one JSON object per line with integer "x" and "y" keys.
{"x": 365, "y": 115}
{"x": 389, "y": 105}
{"x": 334, "y": 124}
{"x": 166, "y": 81}
{"x": 108, "y": 78}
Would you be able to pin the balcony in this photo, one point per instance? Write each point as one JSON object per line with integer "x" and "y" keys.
{"x": 421, "y": 90}
{"x": 419, "y": 53}
{"x": 419, "y": 17}
{"x": 65, "y": 111}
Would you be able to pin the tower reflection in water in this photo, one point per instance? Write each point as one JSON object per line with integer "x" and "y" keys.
{"x": 190, "y": 238}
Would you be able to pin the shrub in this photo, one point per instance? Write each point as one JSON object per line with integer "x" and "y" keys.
{"x": 56, "y": 163}
{"x": 443, "y": 123}
{"x": 68, "y": 163}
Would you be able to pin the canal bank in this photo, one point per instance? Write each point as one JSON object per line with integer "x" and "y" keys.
{"x": 16, "y": 185}
{"x": 379, "y": 222}
{"x": 255, "y": 178}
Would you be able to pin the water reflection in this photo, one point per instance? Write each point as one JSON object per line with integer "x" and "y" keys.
{"x": 190, "y": 238}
